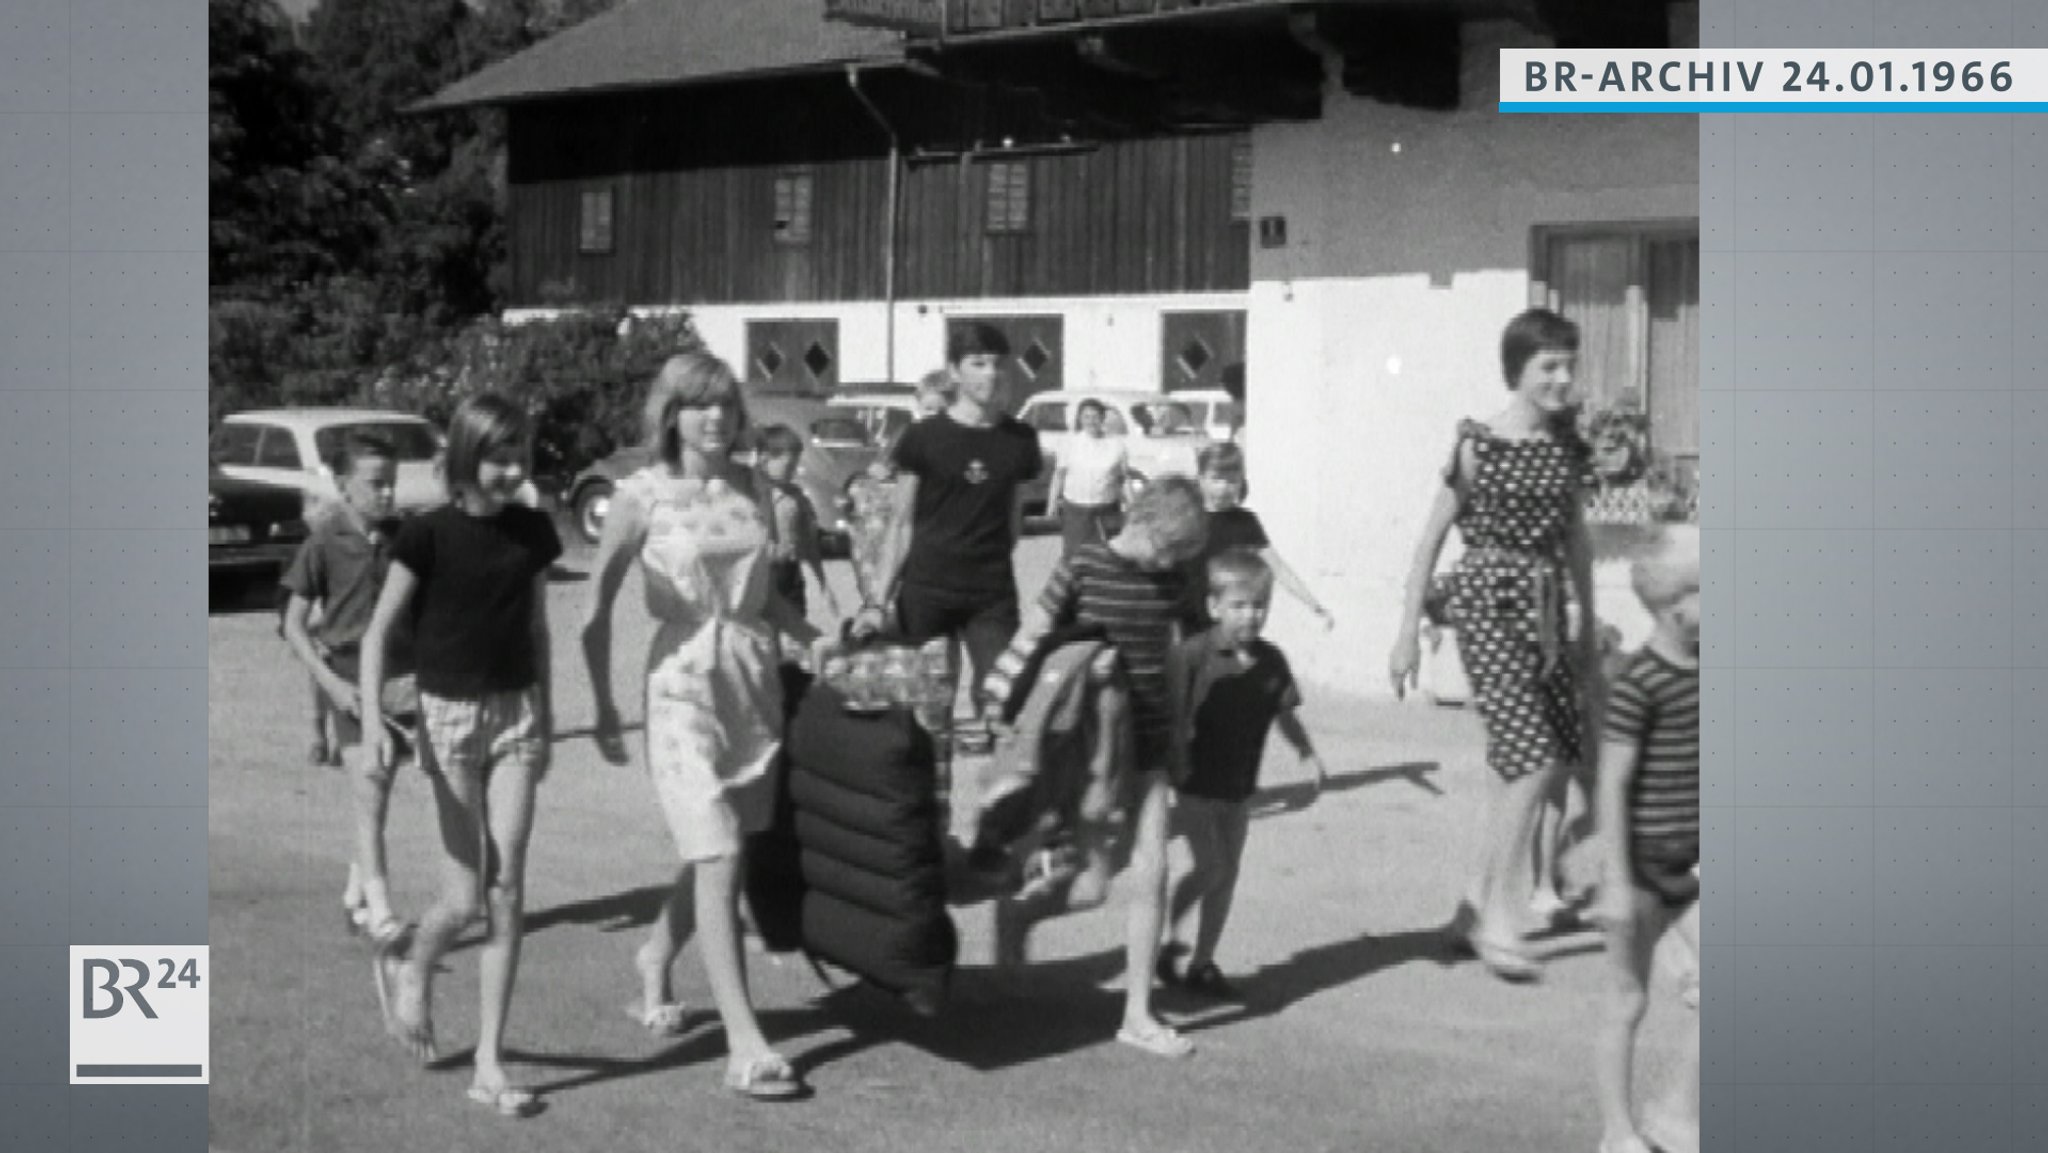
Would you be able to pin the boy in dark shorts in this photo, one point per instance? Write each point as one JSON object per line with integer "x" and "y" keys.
{"x": 947, "y": 563}
{"x": 1649, "y": 812}
{"x": 1237, "y": 688}
{"x": 1132, "y": 588}
{"x": 340, "y": 570}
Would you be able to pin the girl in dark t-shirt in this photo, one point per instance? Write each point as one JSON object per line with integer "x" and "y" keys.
{"x": 1233, "y": 526}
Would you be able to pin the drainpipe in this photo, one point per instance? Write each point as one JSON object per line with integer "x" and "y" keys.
{"x": 889, "y": 227}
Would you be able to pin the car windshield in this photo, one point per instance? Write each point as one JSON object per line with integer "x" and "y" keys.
{"x": 841, "y": 432}
{"x": 413, "y": 441}
{"x": 1163, "y": 418}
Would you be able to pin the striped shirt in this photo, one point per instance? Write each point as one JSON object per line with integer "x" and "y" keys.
{"x": 1654, "y": 706}
{"x": 1137, "y": 608}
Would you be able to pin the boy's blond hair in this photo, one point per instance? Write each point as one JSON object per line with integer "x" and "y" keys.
{"x": 1170, "y": 509}
{"x": 1239, "y": 568}
{"x": 1668, "y": 572}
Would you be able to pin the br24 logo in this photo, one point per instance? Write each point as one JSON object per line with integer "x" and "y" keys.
{"x": 102, "y": 975}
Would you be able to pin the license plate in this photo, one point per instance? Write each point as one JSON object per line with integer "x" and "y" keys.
{"x": 227, "y": 534}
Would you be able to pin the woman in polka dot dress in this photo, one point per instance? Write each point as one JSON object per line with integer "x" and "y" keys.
{"x": 1514, "y": 489}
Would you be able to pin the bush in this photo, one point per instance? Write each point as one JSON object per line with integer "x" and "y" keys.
{"x": 581, "y": 374}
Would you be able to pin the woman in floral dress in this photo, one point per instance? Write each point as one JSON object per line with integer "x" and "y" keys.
{"x": 698, "y": 524}
{"x": 1515, "y": 489}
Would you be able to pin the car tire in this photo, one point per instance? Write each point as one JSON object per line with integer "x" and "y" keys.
{"x": 592, "y": 503}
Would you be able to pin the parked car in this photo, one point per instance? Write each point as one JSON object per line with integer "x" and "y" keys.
{"x": 296, "y": 447}
{"x": 1160, "y": 432}
{"x": 252, "y": 528}
{"x": 837, "y": 448}
{"x": 1214, "y": 411}
{"x": 884, "y": 410}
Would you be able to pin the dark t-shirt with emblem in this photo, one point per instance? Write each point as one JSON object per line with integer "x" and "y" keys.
{"x": 967, "y": 480}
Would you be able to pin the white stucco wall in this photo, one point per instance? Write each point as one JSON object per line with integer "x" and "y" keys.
{"x": 1377, "y": 326}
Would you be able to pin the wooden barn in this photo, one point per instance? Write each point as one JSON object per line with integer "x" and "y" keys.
{"x": 1317, "y": 199}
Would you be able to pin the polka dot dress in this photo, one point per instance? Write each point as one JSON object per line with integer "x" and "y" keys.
{"x": 1508, "y": 593}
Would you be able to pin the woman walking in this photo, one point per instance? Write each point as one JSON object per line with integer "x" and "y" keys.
{"x": 699, "y": 524}
{"x": 1087, "y": 488}
{"x": 1514, "y": 488}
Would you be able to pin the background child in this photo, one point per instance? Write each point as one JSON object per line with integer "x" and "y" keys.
{"x": 796, "y": 521}
{"x": 338, "y": 572}
{"x": 1133, "y": 587}
{"x": 1649, "y": 809}
{"x": 1231, "y": 525}
{"x": 1237, "y": 687}
{"x": 471, "y": 576}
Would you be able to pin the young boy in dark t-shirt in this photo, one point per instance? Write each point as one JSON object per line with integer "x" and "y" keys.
{"x": 958, "y": 516}
{"x": 340, "y": 571}
{"x": 1220, "y": 468}
{"x": 1238, "y": 687}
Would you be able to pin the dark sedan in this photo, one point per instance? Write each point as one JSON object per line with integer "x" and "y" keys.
{"x": 837, "y": 448}
{"x": 251, "y": 527}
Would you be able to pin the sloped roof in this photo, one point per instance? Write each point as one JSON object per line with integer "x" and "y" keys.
{"x": 655, "y": 43}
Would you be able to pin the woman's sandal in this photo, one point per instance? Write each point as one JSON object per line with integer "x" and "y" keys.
{"x": 668, "y": 1019}
{"x": 506, "y": 1100}
{"x": 1156, "y": 1039}
{"x": 764, "y": 1078}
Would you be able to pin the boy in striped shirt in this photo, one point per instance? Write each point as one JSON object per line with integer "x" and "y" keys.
{"x": 1133, "y": 588}
{"x": 1649, "y": 814}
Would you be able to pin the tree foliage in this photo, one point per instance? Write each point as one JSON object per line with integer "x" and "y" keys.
{"x": 354, "y": 243}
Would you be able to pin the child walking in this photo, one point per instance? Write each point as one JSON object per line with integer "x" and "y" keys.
{"x": 796, "y": 521}
{"x": 1233, "y": 526}
{"x": 1133, "y": 588}
{"x": 1237, "y": 686}
{"x": 339, "y": 572}
{"x": 1649, "y": 812}
{"x": 471, "y": 579}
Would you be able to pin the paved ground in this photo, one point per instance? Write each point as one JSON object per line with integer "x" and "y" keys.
{"x": 1359, "y": 1032}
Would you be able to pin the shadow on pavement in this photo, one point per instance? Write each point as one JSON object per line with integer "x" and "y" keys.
{"x": 1298, "y": 795}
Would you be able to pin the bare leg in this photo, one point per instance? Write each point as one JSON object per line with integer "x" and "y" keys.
{"x": 370, "y": 789}
{"x": 458, "y": 804}
{"x": 1194, "y": 821}
{"x": 1675, "y": 1120}
{"x": 1629, "y": 950}
{"x": 717, "y": 888}
{"x": 1507, "y": 884}
{"x": 665, "y": 939}
{"x": 509, "y": 811}
{"x": 1147, "y": 879}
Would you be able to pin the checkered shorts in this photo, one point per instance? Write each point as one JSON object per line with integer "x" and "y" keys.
{"x": 474, "y": 736}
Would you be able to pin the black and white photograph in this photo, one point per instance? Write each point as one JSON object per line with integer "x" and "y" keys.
{"x": 998, "y": 575}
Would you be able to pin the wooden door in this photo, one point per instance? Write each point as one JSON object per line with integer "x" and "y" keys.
{"x": 1038, "y": 351}
{"x": 793, "y": 355}
{"x": 1197, "y": 349}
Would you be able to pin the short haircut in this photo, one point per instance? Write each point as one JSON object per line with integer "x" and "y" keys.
{"x": 1669, "y": 572}
{"x": 689, "y": 380}
{"x": 362, "y": 444}
{"x": 1536, "y": 330}
{"x": 1240, "y": 568}
{"x": 1223, "y": 458}
{"x": 780, "y": 440}
{"x": 1170, "y": 508}
{"x": 1090, "y": 405}
{"x": 483, "y": 425}
{"x": 975, "y": 339}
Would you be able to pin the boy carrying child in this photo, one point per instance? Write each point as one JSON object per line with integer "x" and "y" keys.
{"x": 1132, "y": 589}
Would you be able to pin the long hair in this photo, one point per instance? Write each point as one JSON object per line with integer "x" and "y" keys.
{"x": 689, "y": 380}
